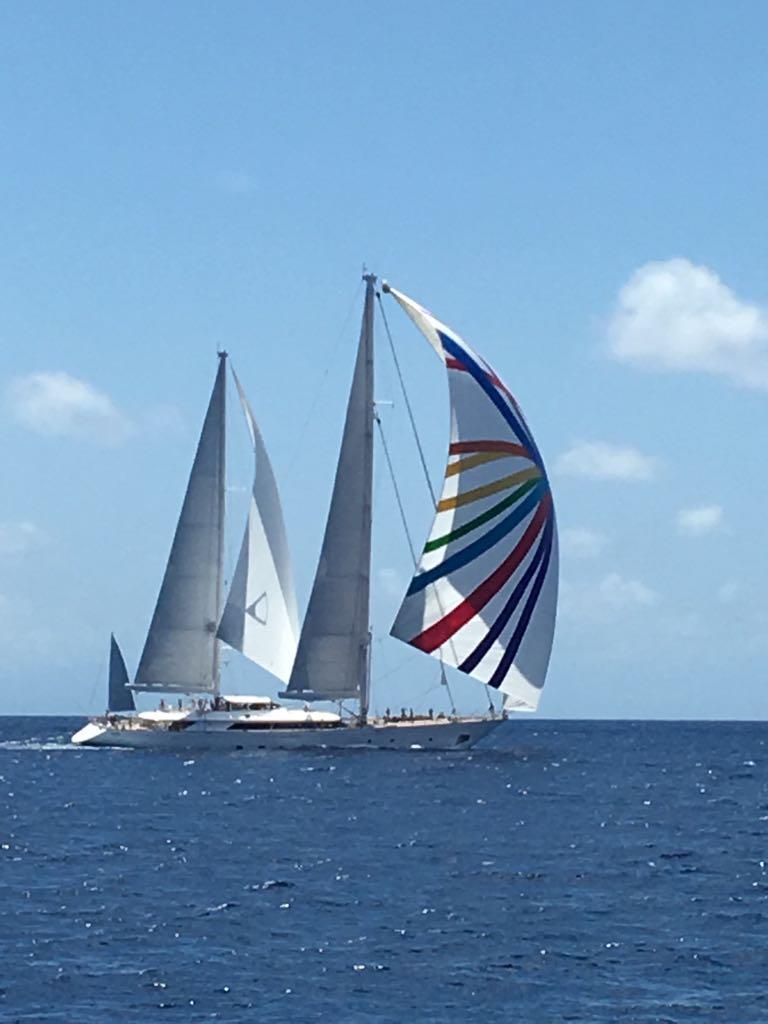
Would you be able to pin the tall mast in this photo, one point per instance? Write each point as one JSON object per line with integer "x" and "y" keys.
{"x": 370, "y": 291}
{"x": 221, "y": 493}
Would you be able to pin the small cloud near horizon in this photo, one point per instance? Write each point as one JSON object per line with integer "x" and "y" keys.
{"x": 605, "y": 599}
{"x": 728, "y": 592}
{"x": 599, "y": 460}
{"x": 581, "y": 542}
{"x": 19, "y": 538}
{"x": 699, "y": 521}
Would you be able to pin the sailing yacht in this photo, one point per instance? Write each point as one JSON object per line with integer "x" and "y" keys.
{"x": 482, "y": 598}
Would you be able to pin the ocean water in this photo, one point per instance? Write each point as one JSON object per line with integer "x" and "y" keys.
{"x": 574, "y": 871}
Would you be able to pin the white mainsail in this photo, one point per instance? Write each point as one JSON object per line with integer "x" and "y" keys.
{"x": 181, "y": 650}
{"x": 332, "y": 659}
{"x": 119, "y": 696}
{"x": 260, "y": 617}
{"x": 484, "y": 596}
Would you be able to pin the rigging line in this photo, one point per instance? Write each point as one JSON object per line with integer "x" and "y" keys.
{"x": 444, "y": 682}
{"x": 299, "y": 446}
{"x": 401, "y": 509}
{"x": 396, "y": 489}
{"x": 100, "y": 672}
{"x": 397, "y": 668}
{"x": 406, "y": 400}
{"x": 417, "y": 439}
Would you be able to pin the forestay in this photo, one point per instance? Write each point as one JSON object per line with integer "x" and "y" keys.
{"x": 485, "y": 592}
{"x": 260, "y": 617}
{"x": 180, "y": 650}
{"x": 331, "y": 663}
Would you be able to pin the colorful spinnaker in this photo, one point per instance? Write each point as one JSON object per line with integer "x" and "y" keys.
{"x": 484, "y": 595}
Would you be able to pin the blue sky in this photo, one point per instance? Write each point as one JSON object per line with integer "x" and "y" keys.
{"x": 579, "y": 189}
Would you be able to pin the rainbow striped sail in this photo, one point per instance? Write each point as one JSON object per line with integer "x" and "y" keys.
{"x": 485, "y": 591}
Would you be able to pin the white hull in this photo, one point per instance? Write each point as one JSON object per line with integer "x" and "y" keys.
{"x": 437, "y": 735}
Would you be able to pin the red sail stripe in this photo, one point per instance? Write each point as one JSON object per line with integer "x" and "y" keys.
{"x": 435, "y": 636}
{"x": 462, "y": 447}
{"x": 456, "y": 364}
{"x": 501, "y": 386}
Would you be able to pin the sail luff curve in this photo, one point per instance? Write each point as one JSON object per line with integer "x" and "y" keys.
{"x": 260, "y": 617}
{"x": 332, "y": 659}
{"x": 484, "y": 596}
{"x": 179, "y": 653}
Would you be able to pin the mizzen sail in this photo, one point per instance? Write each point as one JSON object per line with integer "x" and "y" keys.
{"x": 119, "y": 697}
{"x": 332, "y": 659}
{"x": 180, "y": 653}
{"x": 260, "y": 617}
{"x": 484, "y": 595}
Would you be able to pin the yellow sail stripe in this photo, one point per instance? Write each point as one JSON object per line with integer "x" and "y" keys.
{"x": 476, "y": 460}
{"x": 482, "y": 492}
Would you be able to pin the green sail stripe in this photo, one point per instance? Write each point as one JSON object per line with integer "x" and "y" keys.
{"x": 484, "y": 517}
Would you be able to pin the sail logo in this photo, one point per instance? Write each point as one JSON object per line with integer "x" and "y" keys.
{"x": 259, "y": 609}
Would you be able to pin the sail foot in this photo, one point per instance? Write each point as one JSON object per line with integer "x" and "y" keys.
{"x": 306, "y": 695}
{"x": 163, "y": 687}
{"x": 334, "y": 669}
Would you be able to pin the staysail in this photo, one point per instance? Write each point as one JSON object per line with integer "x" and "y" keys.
{"x": 332, "y": 659}
{"x": 484, "y": 596}
{"x": 260, "y": 617}
{"x": 181, "y": 650}
{"x": 119, "y": 696}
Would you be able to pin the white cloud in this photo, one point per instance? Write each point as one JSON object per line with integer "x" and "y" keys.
{"x": 617, "y": 592}
{"x": 676, "y": 316}
{"x": 683, "y": 624}
{"x": 598, "y": 460}
{"x": 580, "y": 542}
{"x": 728, "y": 592}
{"x": 237, "y": 182}
{"x": 60, "y": 405}
{"x": 696, "y": 522}
{"x": 606, "y": 599}
{"x": 18, "y": 538}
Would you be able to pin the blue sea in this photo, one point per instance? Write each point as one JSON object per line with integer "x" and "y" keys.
{"x": 571, "y": 871}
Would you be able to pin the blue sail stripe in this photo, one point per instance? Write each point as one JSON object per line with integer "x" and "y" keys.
{"x": 517, "y": 637}
{"x": 544, "y": 547}
{"x": 481, "y": 376}
{"x": 482, "y": 544}
{"x": 503, "y": 393}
